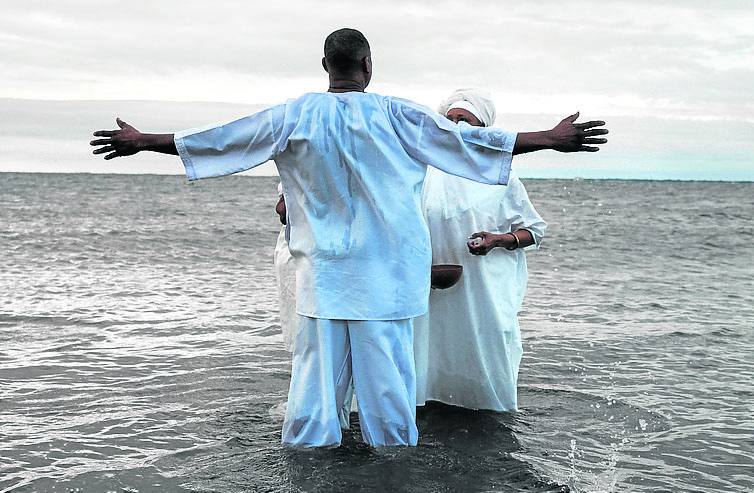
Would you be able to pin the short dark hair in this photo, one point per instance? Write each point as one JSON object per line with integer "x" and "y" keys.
{"x": 345, "y": 49}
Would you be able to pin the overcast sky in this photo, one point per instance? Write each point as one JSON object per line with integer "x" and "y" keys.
{"x": 677, "y": 76}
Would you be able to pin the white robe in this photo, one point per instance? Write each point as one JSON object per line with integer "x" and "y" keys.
{"x": 468, "y": 347}
{"x": 285, "y": 273}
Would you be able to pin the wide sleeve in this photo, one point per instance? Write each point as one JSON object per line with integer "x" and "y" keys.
{"x": 224, "y": 149}
{"x": 482, "y": 154}
{"x": 517, "y": 212}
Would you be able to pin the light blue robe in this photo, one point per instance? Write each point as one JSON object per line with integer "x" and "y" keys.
{"x": 352, "y": 167}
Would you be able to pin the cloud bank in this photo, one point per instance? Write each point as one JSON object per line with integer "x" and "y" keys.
{"x": 684, "y": 70}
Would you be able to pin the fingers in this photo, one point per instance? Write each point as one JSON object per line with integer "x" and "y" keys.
{"x": 583, "y": 148}
{"x": 107, "y": 144}
{"x": 594, "y": 141}
{"x": 473, "y": 250}
{"x": 595, "y": 131}
{"x": 593, "y": 123}
{"x": 477, "y": 243}
{"x": 103, "y": 150}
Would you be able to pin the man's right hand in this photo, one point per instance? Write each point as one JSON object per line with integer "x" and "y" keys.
{"x": 123, "y": 142}
{"x": 128, "y": 141}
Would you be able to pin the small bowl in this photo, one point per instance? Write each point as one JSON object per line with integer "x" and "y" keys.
{"x": 445, "y": 275}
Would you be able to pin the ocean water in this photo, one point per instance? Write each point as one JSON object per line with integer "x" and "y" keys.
{"x": 140, "y": 348}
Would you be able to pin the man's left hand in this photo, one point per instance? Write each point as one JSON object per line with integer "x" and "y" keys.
{"x": 573, "y": 137}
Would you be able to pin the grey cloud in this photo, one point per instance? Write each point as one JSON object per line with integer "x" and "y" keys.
{"x": 689, "y": 59}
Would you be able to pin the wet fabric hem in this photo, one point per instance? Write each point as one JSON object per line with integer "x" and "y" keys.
{"x": 183, "y": 153}
{"x": 370, "y": 319}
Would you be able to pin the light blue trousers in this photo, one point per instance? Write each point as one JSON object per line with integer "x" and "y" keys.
{"x": 378, "y": 355}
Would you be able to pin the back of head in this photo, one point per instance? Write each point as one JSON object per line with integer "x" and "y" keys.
{"x": 345, "y": 50}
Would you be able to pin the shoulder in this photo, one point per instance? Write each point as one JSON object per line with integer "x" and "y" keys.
{"x": 291, "y": 111}
{"x": 307, "y": 97}
{"x": 406, "y": 105}
{"x": 303, "y": 100}
{"x": 406, "y": 112}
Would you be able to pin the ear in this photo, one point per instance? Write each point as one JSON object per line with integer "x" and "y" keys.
{"x": 366, "y": 64}
{"x": 324, "y": 65}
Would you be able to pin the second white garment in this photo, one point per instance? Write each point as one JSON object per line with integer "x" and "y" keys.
{"x": 468, "y": 346}
{"x": 285, "y": 275}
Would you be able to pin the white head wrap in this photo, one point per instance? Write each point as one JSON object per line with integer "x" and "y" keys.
{"x": 476, "y": 101}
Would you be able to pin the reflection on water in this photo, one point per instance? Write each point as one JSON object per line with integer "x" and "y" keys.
{"x": 140, "y": 347}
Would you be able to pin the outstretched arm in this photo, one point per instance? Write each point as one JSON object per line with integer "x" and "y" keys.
{"x": 128, "y": 141}
{"x": 566, "y": 136}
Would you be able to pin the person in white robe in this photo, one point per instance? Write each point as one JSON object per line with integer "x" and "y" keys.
{"x": 352, "y": 165}
{"x": 468, "y": 346}
{"x": 285, "y": 276}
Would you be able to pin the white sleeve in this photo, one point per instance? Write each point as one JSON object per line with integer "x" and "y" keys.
{"x": 482, "y": 154}
{"x": 519, "y": 213}
{"x": 224, "y": 149}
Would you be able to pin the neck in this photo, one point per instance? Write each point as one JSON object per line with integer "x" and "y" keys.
{"x": 346, "y": 85}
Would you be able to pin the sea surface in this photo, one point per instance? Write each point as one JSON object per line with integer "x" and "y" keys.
{"x": 140, "y": 348}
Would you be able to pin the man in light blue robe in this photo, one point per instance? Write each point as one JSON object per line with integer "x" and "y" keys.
{"x": 352, "y": 166}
